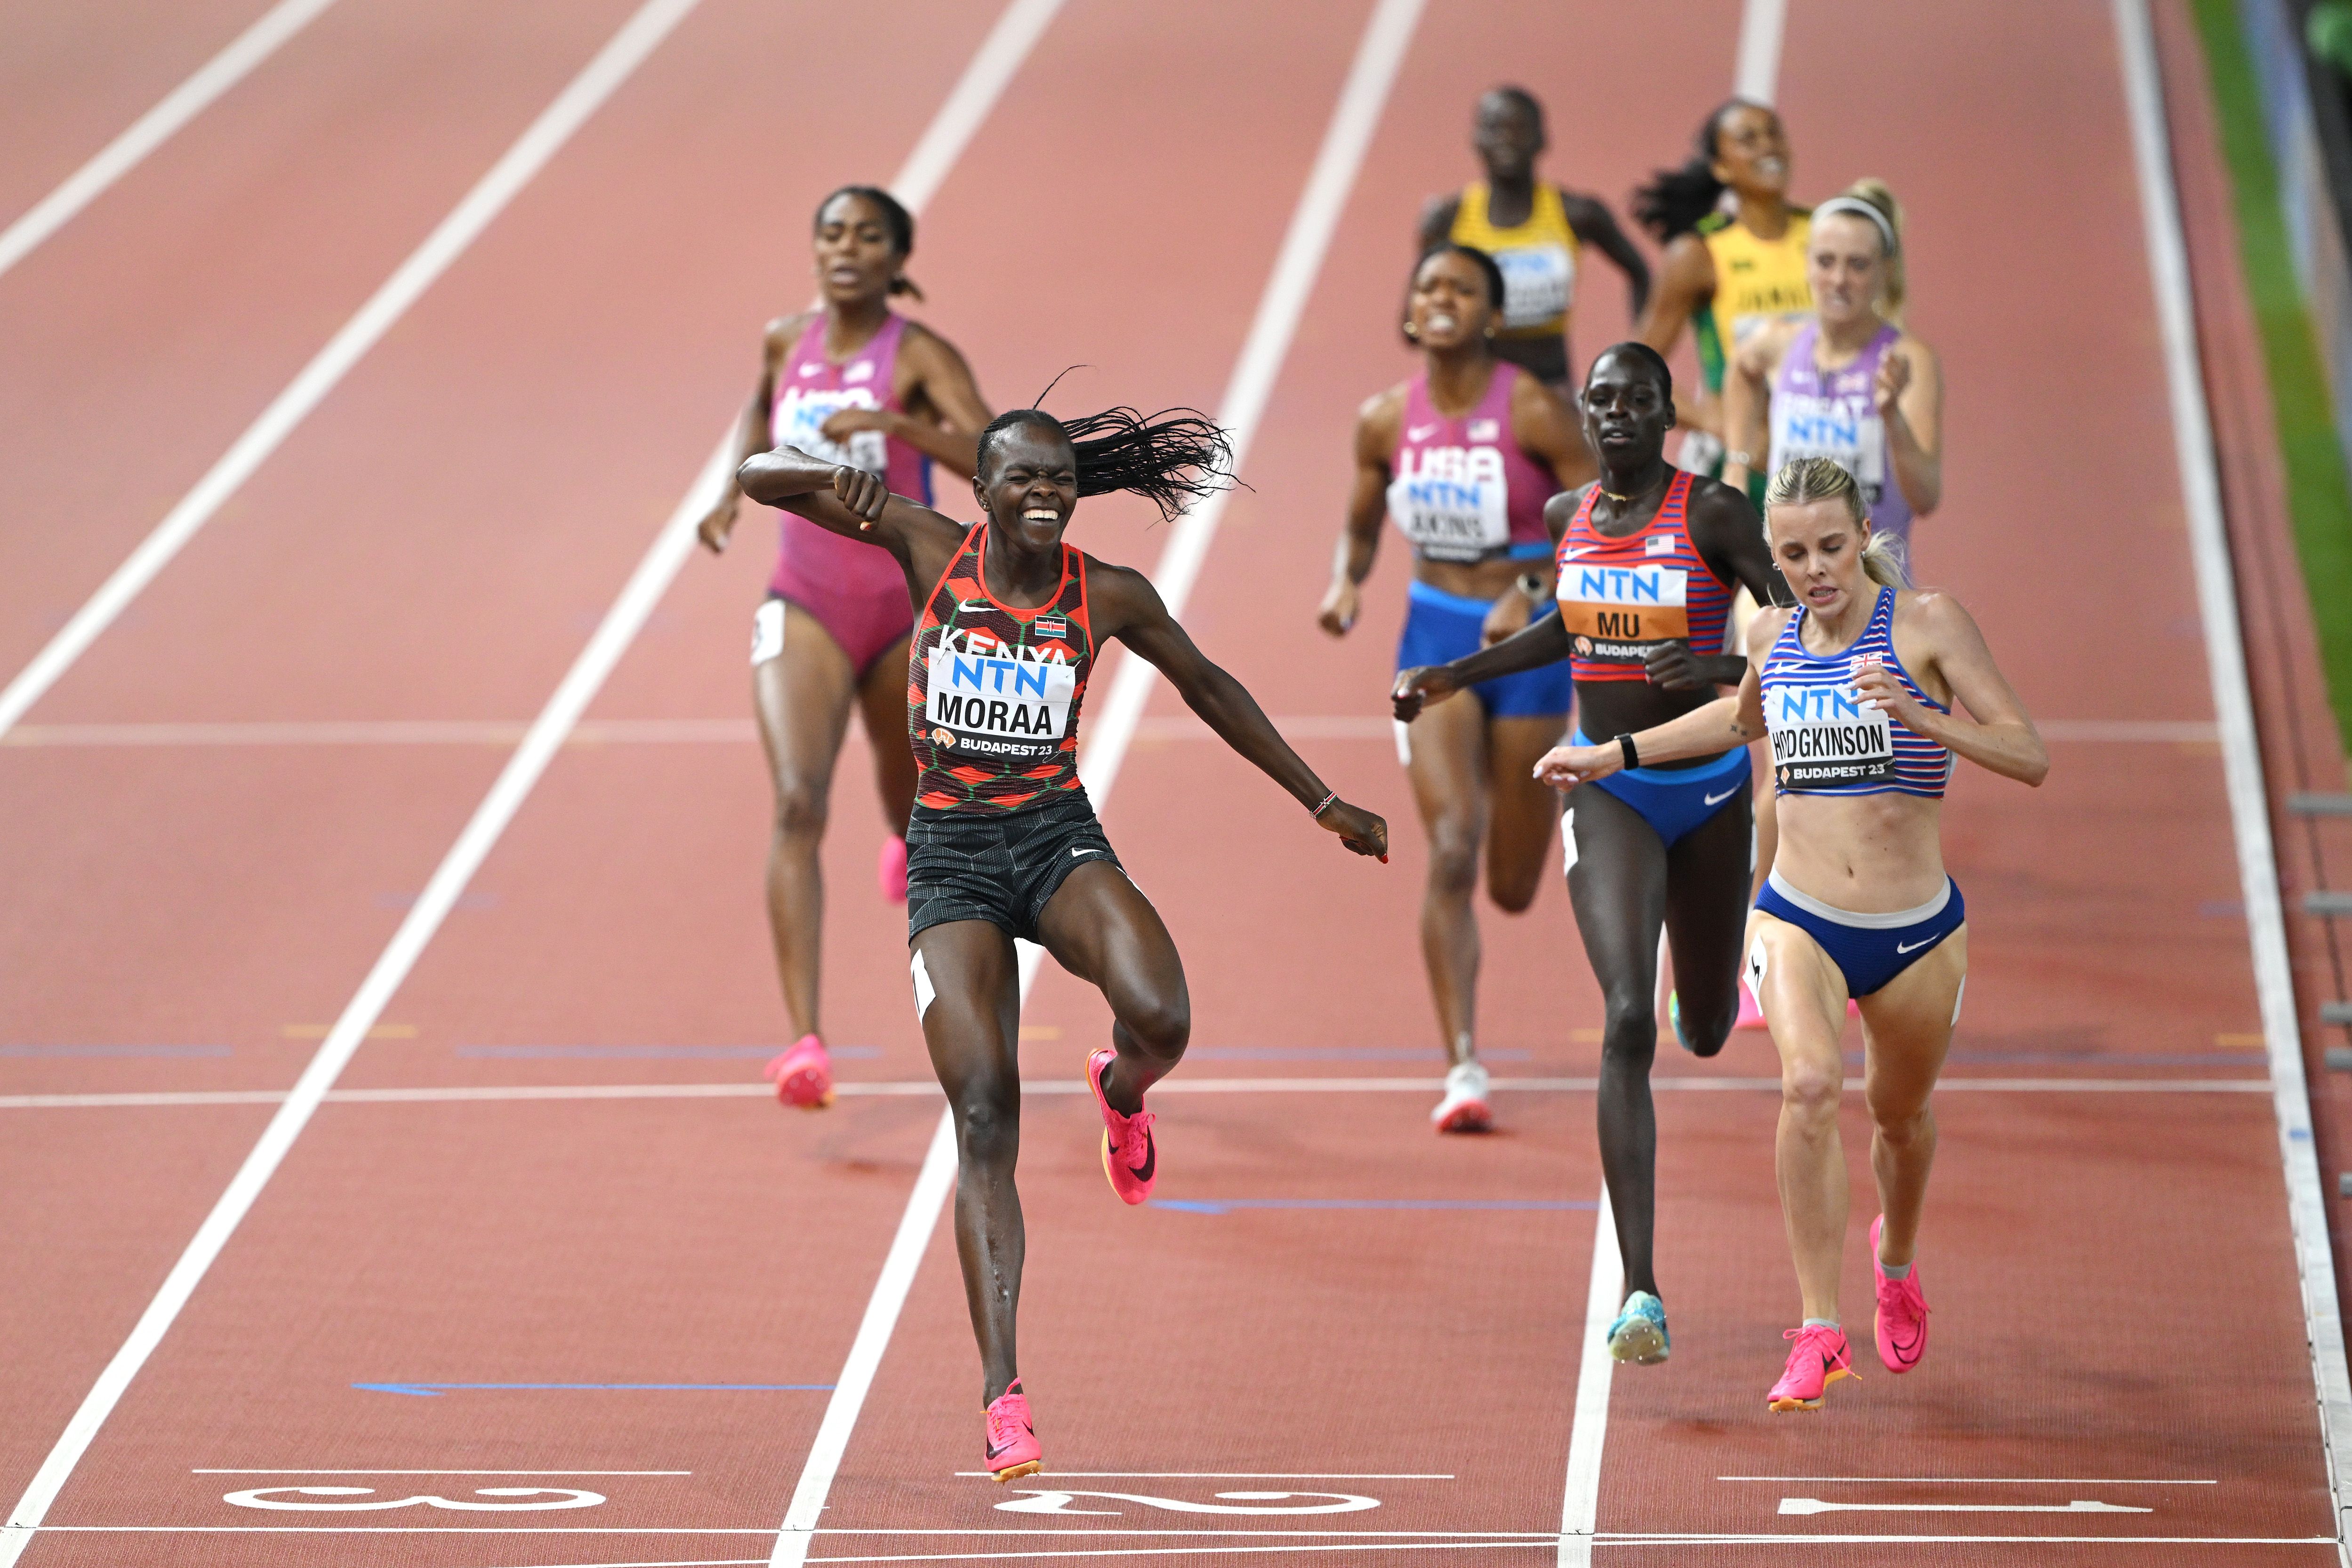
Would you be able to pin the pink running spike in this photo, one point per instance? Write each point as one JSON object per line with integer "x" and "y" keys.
{"x": 1821, "y": 1358}
{"x": 1130, "y": 1158}
{"x": 1013, "y": 1450}
{"x": 803, "y": 1075}
{"x": 1901, "y": 1326}
{"x": 892, "y": 870}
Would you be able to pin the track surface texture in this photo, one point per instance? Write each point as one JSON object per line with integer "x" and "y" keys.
{"x": 550, "y": 1280}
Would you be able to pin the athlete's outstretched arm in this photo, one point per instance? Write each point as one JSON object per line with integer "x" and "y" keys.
{"x": 1708, "y": 731}
{"x": 750, "y": 430}
{"x": 1367, "y": 506}
{"x": 1999, "y": 736}
{"x": 1126, "y": 606}
{"x": 1543, "y": 642}
{"x": 1596, "y": 226}
{"x": 854, "y": 504}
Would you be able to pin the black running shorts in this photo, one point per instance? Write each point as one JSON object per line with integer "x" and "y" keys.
{"x": 998, "y": 866}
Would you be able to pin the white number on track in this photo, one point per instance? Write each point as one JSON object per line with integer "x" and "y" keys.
{"x": 299, "y": 1499}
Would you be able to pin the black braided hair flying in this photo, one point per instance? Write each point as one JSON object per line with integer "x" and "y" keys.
{"x": 1173, "y": 459}
{"x": 1675, "y": 200}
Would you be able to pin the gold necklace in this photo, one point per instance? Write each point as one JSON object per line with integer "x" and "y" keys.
{"x": 1620, "y": 500}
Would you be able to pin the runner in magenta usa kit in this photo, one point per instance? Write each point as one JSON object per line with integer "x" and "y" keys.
{"x": 1004, "y": 842}
{"x": 855, "y": 383}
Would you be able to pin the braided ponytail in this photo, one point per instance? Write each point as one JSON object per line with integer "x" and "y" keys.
{"x": 1173, "y": 458}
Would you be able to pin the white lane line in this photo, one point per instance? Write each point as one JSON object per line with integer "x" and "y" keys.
{"x": 613, "y": 64}
{"x": 1812, "y": 1505}
{"x": 921, "y": 1088}
{"x": 384, "y": 732}
{"x": 951, "y": 129}
{"x": 1223, "y": 1476}
{"x": 1312, "y": 223}
{"x": 2242, "y": 754}
{"x": 1588, "y": 1429}
{"x": 1756, "y": 74}
{"x": 157, "y": 126}
{"x": 473, "y": 845}
{"x": 744, "y": 732}
{"x": 1968, "y": 1480}
{"x": 268, "y": 1472}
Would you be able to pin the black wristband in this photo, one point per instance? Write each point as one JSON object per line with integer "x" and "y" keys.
{"x": 1633, "y": 756}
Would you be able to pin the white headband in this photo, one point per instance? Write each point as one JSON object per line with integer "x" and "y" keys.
{"x": 1861, "y": 208}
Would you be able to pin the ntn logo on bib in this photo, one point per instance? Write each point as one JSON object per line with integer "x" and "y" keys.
{"x": 1627, "y": 603}
{"x": 1453, "y": 502}
{"x": 1843, "y": 429}
{"x": 800, "y": 421}
{"x": 1538, "y": 282}
{"x": 1827, "y": 735}
{"x": 1010, "y": 699}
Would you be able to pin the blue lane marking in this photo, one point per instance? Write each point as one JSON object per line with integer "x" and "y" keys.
{"x": 431, "y": 1390}
{"x": 1231, "y": 1205}
{"x": 642, "y": 1052}
{"x": 115, "y": 1050}
{"x": 1334, "y": 1053}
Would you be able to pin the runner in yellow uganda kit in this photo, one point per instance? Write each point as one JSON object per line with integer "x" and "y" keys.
{"x": 1535, "y": 232}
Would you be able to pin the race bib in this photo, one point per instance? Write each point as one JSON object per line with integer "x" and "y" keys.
{"x": 1616, "y": 614}
{"x": 1823, "y": 736}
{"x": 1841, "y": 429}
{"x": 1451, "y": 501}
{"x": 800, "y": 422}
{"x": 994, "y": 707}
{"x": 1538, "y": 284}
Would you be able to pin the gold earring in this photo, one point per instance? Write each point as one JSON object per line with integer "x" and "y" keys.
{"x": 1413, "y": 332}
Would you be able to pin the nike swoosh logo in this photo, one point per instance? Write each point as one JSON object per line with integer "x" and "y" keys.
{"x": 1899, "y": 947}
{"x": 1150, "y": 1160}
{"x": 1085, "y": 851}
{"x": 1420, "y": 432}
{"x": 994, "y": 1452}
{"x": 1719, "y": 800}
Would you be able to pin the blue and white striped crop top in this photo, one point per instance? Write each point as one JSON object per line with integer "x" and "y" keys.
{"x": 1824, "y": 741}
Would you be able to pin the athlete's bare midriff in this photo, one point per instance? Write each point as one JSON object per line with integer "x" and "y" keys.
{"x": 1871, "y": 854}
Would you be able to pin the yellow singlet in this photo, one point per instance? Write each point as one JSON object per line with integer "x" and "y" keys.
{"x": 1538, "y": 258}
{"x": 1756, "y": 281}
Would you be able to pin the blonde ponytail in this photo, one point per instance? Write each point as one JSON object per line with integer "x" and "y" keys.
{"x": 1874, "y": 192}
{"x": 1803, "y": 479}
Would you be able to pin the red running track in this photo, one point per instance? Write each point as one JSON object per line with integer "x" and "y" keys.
{"x": 196, "y": 912}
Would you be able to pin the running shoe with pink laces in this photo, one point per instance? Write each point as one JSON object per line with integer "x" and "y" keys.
{"x": 1901, "y": 1328}
{"x": 803, "y": 1075}
{"x": 892, "y": 870}
{"x": 1130, "y": 1158}
{"x": 1013, "y": 1450}
{"x": 1820, "y": 1359}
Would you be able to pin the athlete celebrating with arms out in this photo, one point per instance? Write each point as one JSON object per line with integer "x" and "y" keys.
{"x": 1003, "y": 842}
{"x": 1649, "y": 559}
{"x": 856, "y": 383}
{"x": 1856, "y": 688}
{"x": 1536, "y": 232}
{"x": 1462, "y": 458}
